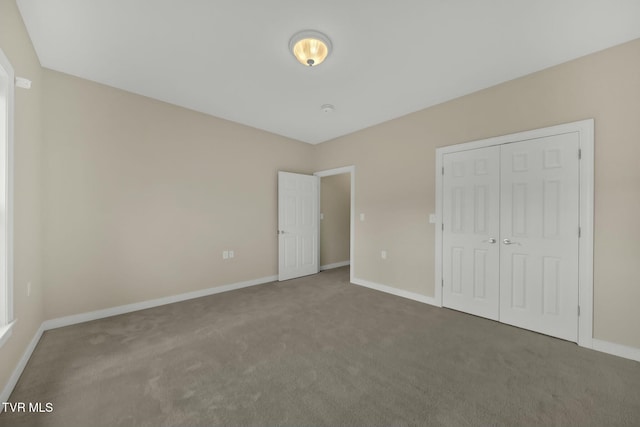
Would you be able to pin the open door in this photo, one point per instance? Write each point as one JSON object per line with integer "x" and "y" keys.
{"x": 298, "y": 229}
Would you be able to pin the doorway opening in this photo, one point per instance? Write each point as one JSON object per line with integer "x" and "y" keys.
{"x": 336, "y": 217}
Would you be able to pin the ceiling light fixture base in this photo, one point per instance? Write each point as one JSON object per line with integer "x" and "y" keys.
{"x": 327, "y": 108}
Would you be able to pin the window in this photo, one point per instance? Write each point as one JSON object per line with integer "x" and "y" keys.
{"x": 7, "y": 79}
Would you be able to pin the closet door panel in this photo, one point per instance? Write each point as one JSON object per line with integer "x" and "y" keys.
{"x": 471, "y": 191}
{"x": 539, "y": 214}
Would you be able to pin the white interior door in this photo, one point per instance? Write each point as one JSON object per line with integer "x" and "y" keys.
{"x": 298, "y": 228}
{"x": 471, "y": 208}
{"x": 539, "y": 235}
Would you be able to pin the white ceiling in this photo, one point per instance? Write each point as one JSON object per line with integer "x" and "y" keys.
{"x": 230, "y": 58}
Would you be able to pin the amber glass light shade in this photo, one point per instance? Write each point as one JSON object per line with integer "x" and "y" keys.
{"x": 310, "y": 48}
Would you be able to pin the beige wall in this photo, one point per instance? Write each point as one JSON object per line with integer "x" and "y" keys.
{"x": 142, "y": 197}
{"x": 335, "y": 205}
{"x": 28, "y": 311}
{"x": 395, "y": 175}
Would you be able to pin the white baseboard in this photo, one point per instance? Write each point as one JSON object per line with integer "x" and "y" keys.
{"x": 114, "y": 311}
{"x": 13, "y": 379}
{"x": 617, "y": 349}
{"x": 598, "y": 345}
{"x": 394, "y": 291}
{"x": 334, "y": 265}
{"x": 128, "y": 308}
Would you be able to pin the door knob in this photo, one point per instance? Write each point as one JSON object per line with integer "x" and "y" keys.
{"x": 509, "y": 242}
{"x": 491, "y": 240}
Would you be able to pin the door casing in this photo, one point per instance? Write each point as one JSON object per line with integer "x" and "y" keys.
{"x": 585, "y": 130}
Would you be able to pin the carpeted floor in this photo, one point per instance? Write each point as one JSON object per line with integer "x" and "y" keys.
{"x": 318, "y": 351}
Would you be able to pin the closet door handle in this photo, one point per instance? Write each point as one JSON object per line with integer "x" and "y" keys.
{"x": 491, "y": 240}
{"x": 509, "y": 242}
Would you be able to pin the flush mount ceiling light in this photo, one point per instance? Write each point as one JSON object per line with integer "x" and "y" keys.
{"x": 310, "y": 47}
{"x": 327, "y": 108}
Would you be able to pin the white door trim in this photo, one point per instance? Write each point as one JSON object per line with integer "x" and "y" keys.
{"x": 338, "y": 171}
{"x": 585, "y": 129}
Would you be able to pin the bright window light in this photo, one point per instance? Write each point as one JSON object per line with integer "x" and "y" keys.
{"x": 7, "y": 79}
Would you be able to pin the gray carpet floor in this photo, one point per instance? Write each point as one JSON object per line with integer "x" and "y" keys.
{"x": 318, "y": 351}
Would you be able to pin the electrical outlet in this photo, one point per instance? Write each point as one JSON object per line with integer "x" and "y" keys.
{"x": 225, "y": 254}
{"x": 321, "y": 216}
{"x": 361, "y": 217}
{"x": 231, "y": 254}
{"x": 383, "y": 254}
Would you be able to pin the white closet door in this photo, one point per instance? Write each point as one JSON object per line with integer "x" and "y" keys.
{"x": 471, "y": 191}
{"x": 539, "y": 235}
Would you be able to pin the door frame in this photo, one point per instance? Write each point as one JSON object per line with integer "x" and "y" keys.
{"x": 352, "y": 235}
{"x": 585, "y": 130}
